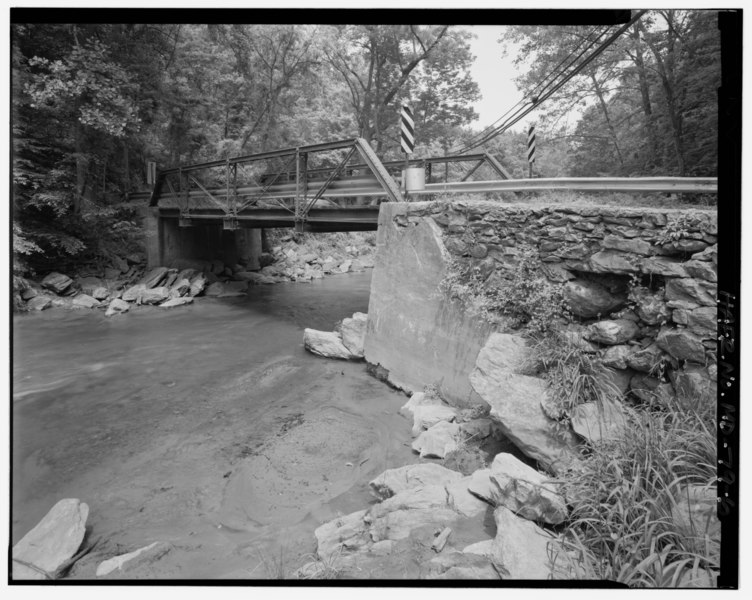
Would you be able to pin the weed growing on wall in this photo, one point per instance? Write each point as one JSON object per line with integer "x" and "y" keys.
{"x": 524, "y": 295}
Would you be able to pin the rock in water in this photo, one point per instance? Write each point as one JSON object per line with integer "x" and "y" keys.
{"x": 132, "y": 293}
{"x": 393, "y": 481}
{"x": 198, "y": 284}
{"x": 84, "y": 301}
{"x": 516, "y": 404}
{"x": 38, "y": 303}
{"x": 116, "y": 307}
{"x": 54, "y": 540}
{"x": 57, "y": 282}
{"x": 353, "y": 333}
{"x": 327, "y": 344}
{"x": 173, "y": 302}
{"x": 126, "y": 562}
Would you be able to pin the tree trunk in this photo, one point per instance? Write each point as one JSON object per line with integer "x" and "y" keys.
{"x": 604, "y": 107}
{"x": 126, "y": 165}
{"x": 674, "y": 117}
{"x": 80, "y": 170}
{"x": 647, "y": 108}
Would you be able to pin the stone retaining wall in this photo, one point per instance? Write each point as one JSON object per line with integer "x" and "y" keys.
{"x": 640, "y": 282}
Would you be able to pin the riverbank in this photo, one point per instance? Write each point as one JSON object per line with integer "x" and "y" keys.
{"x": 287, "y": 257}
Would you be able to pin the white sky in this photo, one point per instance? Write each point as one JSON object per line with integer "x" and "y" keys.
{"x": 494, "y": 74}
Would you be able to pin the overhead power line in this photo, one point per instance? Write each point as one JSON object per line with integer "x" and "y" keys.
{"x": 521, "y": 113}
{"x": 556, "y": 72}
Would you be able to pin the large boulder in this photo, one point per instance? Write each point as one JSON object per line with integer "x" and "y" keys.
{"x": 681, "y": 344}
{"x": 54, "y": 540}
{"x": 613, "y": 332}
{"x": 327, "y": 344}
{"x": 520, "y": 549}
{"x": 353, "y": 333}
{"x": 154, "y": 295}
{"x": 154, "y": 277}
{"x": 587, "y": 298}
{"x": 438, "y": 441}
{"x": 646, "y": 359}
{"x": 393, "y": 481}
{"x": 525, "y": 491}
{"x": 132, "y": 560}
{"x": 133, "y": 293}
{"x": 57, "y": 282}
{"x": 515, "y": 402}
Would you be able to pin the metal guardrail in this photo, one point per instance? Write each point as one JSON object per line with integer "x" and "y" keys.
{"x": 705, "y": 185}
{"x": 369, "y": 186}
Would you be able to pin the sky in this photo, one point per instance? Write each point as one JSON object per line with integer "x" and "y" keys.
{"x": 494, "y": 74}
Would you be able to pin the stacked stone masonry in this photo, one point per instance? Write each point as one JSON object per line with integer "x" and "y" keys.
{"x": 640, "y": 282}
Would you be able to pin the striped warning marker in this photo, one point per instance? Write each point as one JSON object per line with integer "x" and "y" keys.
{"x": 408, "y": 130}
{"x": 531, "y": 144}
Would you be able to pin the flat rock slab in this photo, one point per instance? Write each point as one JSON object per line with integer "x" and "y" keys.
{"x": 425, "y": 417}
{"x": 458, "y": 565}
{"x": 54, "y": 540}
{"x": 327, "y": 344}
{"x": 394, "y": 481}
{"x": 173, "y": 302}
{"x": 520, "y": 548}
{"x": 39, "y": 303}
{"x": 132, "y": 560}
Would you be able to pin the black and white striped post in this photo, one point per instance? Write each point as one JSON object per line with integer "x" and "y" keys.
{"x": 408, "y": 132}
{"x": 531, "y": 148}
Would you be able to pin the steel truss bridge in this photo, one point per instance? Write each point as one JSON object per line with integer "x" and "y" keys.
{"x": 337, "y": 186}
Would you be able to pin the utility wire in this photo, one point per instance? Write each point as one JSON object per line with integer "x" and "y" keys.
{"x": 517, "y": 117}
{"x": 552, "y": 74}
{"x": 535, "y": 94}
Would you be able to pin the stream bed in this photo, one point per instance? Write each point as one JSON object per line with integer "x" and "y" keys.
{"x": 207, "y": 426}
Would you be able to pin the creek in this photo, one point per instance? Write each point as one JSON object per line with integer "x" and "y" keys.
{"x": 207, "y": 426}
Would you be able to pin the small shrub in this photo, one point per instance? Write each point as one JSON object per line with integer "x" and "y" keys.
{"x": 526, "y": 297}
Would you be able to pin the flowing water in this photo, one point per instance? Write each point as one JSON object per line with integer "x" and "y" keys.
{"x": 208, "y": 426}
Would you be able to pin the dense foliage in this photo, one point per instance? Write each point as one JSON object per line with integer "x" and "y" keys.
{"x": 645, "y": 106}
{"x": 93, "y": 103}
